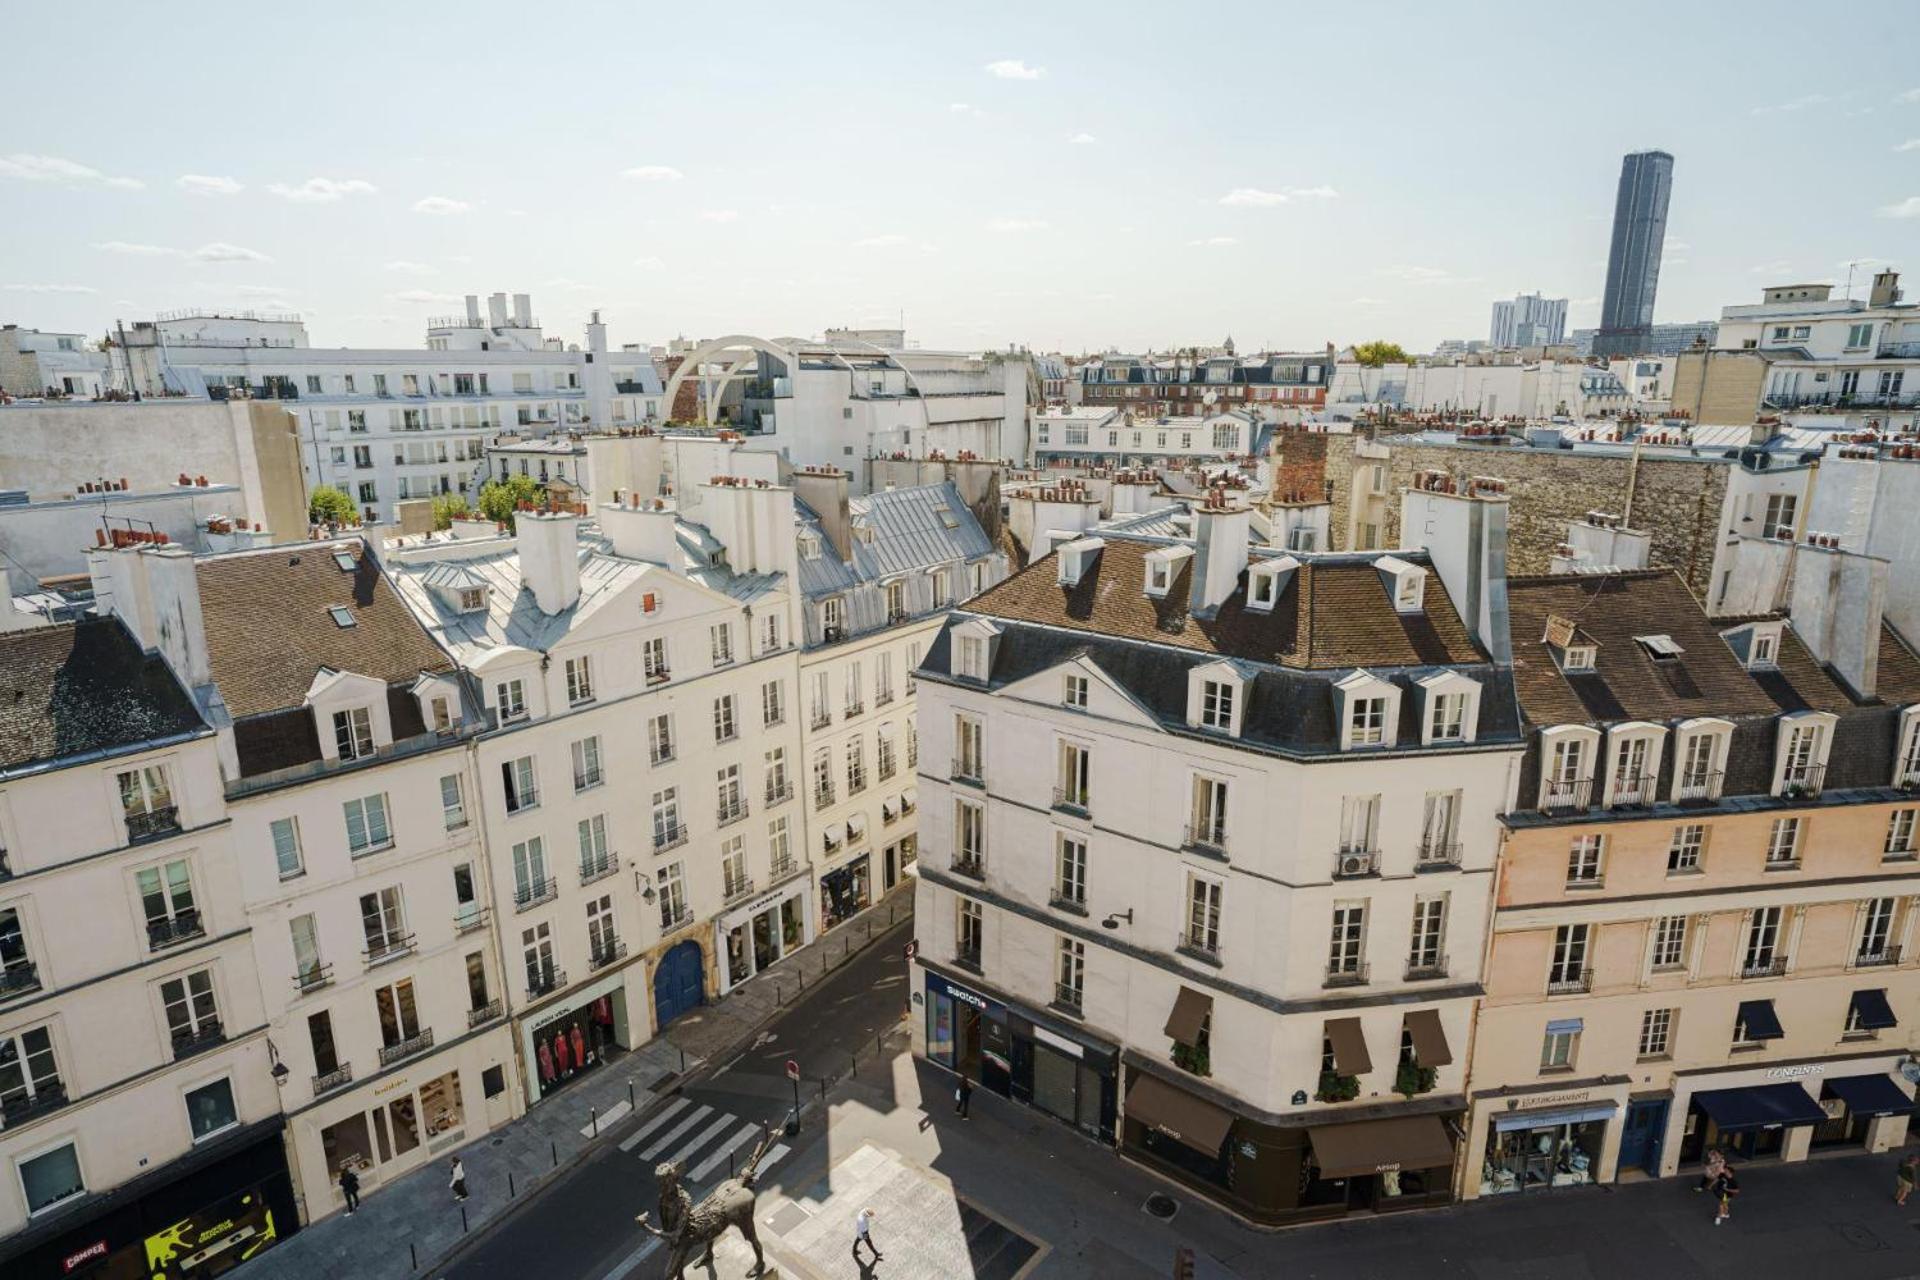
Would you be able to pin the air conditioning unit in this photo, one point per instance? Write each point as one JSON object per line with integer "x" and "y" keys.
{"x": 1356, "y": 864}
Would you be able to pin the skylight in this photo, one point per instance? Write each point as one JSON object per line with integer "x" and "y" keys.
{"x": 1661, "y": 646}
{"x": 342, "y": 616}
{"x": 345, "y": 560}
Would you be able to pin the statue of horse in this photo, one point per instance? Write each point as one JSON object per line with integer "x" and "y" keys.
{"x": 687, "y": 1227}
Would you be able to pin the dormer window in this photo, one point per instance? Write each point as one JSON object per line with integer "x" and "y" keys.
{"x": 973, "y": 657}
{"x": 1367, "y": 722}
{"x": 809, "y": 546}
{"x": 1368, "y": 710}
{"x": 1577, "y": 657}
{"x": 1076, "y": 692}
{"x": 1447, "y": 721}
{"x": 1661, "y": 648}
{"x": 1408, "y": 583}
{"x": 473, "y": 599}
{"x": 1159, "y": 577}
{"x": 1266, "y": 579}
{"x": 510, "y": 700}
{"x": 1216, "y": 704}
{"x": 1450, "y": 710}
{"x": 353, "y": 733}
{"x": 1162, "y": 565}
{"x": 1766, "y": 648}
{"x": 1075, "y": 558}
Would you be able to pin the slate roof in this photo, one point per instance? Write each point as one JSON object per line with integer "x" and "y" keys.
{"x": 81, "y": 687}
{"x": 269, "y": 630}
{"x": 909, "y": 536}
{"x": 1334, "y": 613}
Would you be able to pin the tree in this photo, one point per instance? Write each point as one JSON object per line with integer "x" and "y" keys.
{"x": 499, "y": 498}
{"x": 329, "y": 505}
{"x": 446, "y": 507}
{"x": 1378, "y": 352}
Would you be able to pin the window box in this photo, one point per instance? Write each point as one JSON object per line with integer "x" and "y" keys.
{"x": 1335, "y": 1087}
{"x": 1196, "y": 1059}
{"x": 1413, "y": 1079}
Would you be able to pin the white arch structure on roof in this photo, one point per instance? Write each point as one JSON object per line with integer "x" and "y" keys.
{"x": 735, "y": 353}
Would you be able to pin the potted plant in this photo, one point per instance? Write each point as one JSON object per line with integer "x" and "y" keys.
{"x": 1412, "y": 1078}
{"x": 1335, "y": 1087}
{"x": 1193, "y": 1058}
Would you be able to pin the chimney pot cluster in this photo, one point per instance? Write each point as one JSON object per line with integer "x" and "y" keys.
{"x": 1830, "y": 541}
{"x": 1486, "y": 487}
{"x": 120, "y": 539}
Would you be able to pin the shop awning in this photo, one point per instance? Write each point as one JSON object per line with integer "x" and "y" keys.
{"x": 1349, "y": 1047}
{"x": 1758, "y": 1020}
{"x": 1190, "y": 1010}
{"x": 1192, "y": 1121}
{"x": 1871, "y": 1007}
{"x": 1546, "y": 1119}
{"x": 1871, "y": 1095}
{"x": 1761, "y": 1106}
{"x": 1429, "y": 1038}
{"x": 1376, "y": 1146}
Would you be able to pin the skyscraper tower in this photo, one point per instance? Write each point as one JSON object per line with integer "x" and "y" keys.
{"x": 1633, "y": 261}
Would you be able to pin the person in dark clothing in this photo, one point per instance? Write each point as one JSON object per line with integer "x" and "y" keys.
{"x": 458, "y": 1182}
{"x": 350, "y": 1187}
{"x": 1725, "y": 1187}
{"x": 962, "y": 1097}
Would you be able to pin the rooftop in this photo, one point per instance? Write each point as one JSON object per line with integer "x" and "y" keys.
{"x": 916, "y": 528}
{"x": 84, "y": 687}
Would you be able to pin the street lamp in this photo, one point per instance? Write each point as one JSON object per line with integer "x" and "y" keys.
{"x": 1113, "y": 920}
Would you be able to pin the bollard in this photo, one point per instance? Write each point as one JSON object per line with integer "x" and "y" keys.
{"x": 629, "y": 1095}
{"x": 510, "y": 1191}
{"x": 554, "y": 1147}
{"x": 853, "y": 1065}
{"x": 729, "y": 1164}
{"x": 463, "y": 1219}
{"x": 413, "y": 1257}
{"x": 823, "y": 1091}
{"x": 593, "y": 1115}
{"x": 803, "y": 980}
{"x": 683, "y": 1062}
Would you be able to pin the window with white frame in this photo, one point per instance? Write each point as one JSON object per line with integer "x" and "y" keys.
{"x": 770, "y": 633}
{"x": 51, "y": 1177}
{"x": 1764, "y": 649}
{"x": 1656, "y": 1032}
{"x": 969, "y": 932}
{"x": 579, "y": 681}
{"x": 353, "y": 733}
{"x": 1073, "y": 785}
{"x": 530, "y": 879}
{"x": 1217, "y": 704}
{"x": 1070, "y": 869}
{"x": 521, "y": 784}
{"x": 1447, "y": 717}
{"x": 510, "y": 699}
{"x": 587, "y": 773}
{"x": 1780, "y": 513}
{"x": 733, "y": 867}
{"x": 1207, "y": 824}
{"x": 882, "y": 678}
{"x": 720, "y": 640}
{"x": 1075, "y": 694}
{"x": 1762, "y": 954}
{"x": 29, "y": 1072}
{"x": 969, "y": 747}
{"x": 1783, "y": 842}
{"x": 660, "y": 738}
{"x": 603, "y": 938}
{"x": 833, "y": 619}
{"x": 667, "y": 829}
{"x": 1686, "y": 848}
{"x": 672, "y": 881}
{"x": 1203, "y": 914}
{"x": 942, "y": 591}
{"x": 973, "y": 657}
{"x": 913, "y": 663}
{"x": 1584, "y": 860}
{"x": 1908, "y": 772}
{"x": 1070, "y": 972}
{"x": 286, "y": 847}
{"x": 779, "y": 785}
{"x": 367, "y": 826}
{"x": 725, "y": 726}
{"x": 884, "y": 754}
{"x": 1440, "y": 827}
{"x": 1634, "y": 761}
{"x": 595, "y": 858}
{"x": 192, "y": 1013}
{"x": 1367, "y": 721}
{"x": 1567, "y": 969}
{"x": 653, "y": 659}
{"x": 1803, "y": 755}
{"x": 823, "y": 778}
{"x": 536, "y": 952}
{"x": 969, "y": 837}
{"x": 453, "y": 802}
{"x": 1359, "y": 824}
{"x": 1347, "y": 942}
{"x": 854, "y": 692}
{"x": 1670, "y": 942}
{"x": 1561, "y": 1045}
{"x": 1900, "y": 825}
{"x": 1427, "y": 951}
{"x": 779, "y": 847}
{"x": 856, "y": 766}
{"x": 1567, "y": 775}
{"x": 1697, "y": 777}
{"x": 731, "y": 795}
{"x": 1876, "y": 932}
{"x": 773, "y": 708}
{"x": 146, "y": 800}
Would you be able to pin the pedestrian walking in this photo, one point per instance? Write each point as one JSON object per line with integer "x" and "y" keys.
{"x": 1725, "y": 1188}
{"x": 458, "y": 1182}
{"x": 863, "y": 1234}
{"x": 350, "y": 1187}
{"x": 962, "y": 1097}
{"x": 1712, "y": 1168}
{"x": 1903, "y": 1179}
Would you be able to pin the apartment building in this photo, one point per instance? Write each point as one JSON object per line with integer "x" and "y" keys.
{"x": 139, "y": 1120}
{"x": 1490, "y": 385}
{"x": 34, "y": 363}
{"x": 1098, "y": 436}
{"x": 1827, "y": 352}
{"x": 1277, "y": 386}
{"x": 1209, "y": 832}
{"x": 1708, "y": 882}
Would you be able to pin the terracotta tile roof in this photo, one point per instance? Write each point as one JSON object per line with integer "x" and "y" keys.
{"x": 1332, "y": 614}
{"x": 269, "y": 631}
{"x": 84, "y": 686}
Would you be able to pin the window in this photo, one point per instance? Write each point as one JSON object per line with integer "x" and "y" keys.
{"x": 660, "y": 739}
{"x": 28, "y": 1072}
{"x": 1670, "y": 942}
{"x": 673, "y": 895}
{"x": 1900, "y": 825}
{"x": 725, "y": 727}
{"x": 286, "y": 847}
{"x": 1568, "y": 968}
{"x": 1780, "y": 513}
{"x": 192, "y": 1016}
{"x": 969, "y": 760}
{"x": 1697, "y": 780}
{"x": 969, "y": 931}
{"x": 667, "y": 830}
{"x": 442, "y": 717}
{"x": 732, "y": 800}
{"x": 1632, "y": 783}
{"x": 653, "y": 659}
{"x": 166, "y": 897}
{"x": 1366, "y": 722}
{"x": 587, "y": 773}
{"x": 1447, "y": 721}
{"x": 603, "y": 939}
{"x": 822, "y": 778}
{"x": 1684, "y": 850}
{"x": 1876, "y": 929}
{"x": 309, "y": 970}
{"x": 973, "y": 657}
{"x": 353, "y": 733}
{"x": 1076, "y": 692}
{"x": 1070, "y": 870}
{"x": 896, "y": 601}
{"x": 882, "y": 679}
{"x": 1762, "y": 958}
{"x": 510, "y": 700}
{"x": 1359, "y": 824}
{"x": 1567, "y": 779}
{"x": 770, "y": 633}
{"x": 1440, "y": 828}
{"x": 1347, "y": 942}
{"x": 1584, "y": 860}
{"x": 833, "y": 620}
{"x": 913, "y": 663}
{"x": 1561, "y": 1045}
{"x": 536, "y": 951}
{"x": 383, "y": 922}
{"x": 1803, "y": 758}
{"x": 1070, "y": 973}
{"x": 779, "y": 848}
{"x": 1216, "y": 705}
{"x": 1858, "y": 336}
{"x": 210, "y": 1109}
{"x": 969, "y": 837}
{"x": 595, "y": 860}
{"x": 1783, "y": 843}
{"x": 1765, "y": 649}
{"x": 17, "y": 970}
{"x": 1426, "y": 954}
{"x": 521, "y": 783}
{"x": 733, "y": 868}
{"x": 51, "y": 1178}
{"x": 146, "y": 800}
{"x": 453, "y": 802}
{"x": 854, "y": 702}
{"x": 721, "y": 636}
{"x": 1075, "y": 768}
{"x": 579, "y": 681}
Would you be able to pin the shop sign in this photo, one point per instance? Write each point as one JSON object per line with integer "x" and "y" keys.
{"x": 1545, "y": 1100}
{"x": 965, "y": 996}
{"x": 1247, "y": 1150}
{"x": 1387, "y": 1168}
{"x": 1061, "y": 1043}
{"x": 98, "y": 1249}
{"x": 1796, "y": 1072}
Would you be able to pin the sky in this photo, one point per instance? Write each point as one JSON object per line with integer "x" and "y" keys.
{"x": 1060, "y": 176}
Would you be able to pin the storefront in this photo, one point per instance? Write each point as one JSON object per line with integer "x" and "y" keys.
{"x": 564, "y": 1043}
{"x": 1539, "y": 1149}
{"x": 897, "y": 859}
{"x": 770, "y": 927}
{"x": 407, "y": 1126}
{"x": 846, "y": 891}
{"x": 203, "y": 1215}
{"x": 967, "y": 1032}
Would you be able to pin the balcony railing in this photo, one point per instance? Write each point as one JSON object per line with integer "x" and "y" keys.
{"x": 1565, "y": 793}
{"x": 189, "y": 1041}
{"x": 420, "y": 1043}
{"x": 1567, "y": 984}
{"x": 312, "y": 978}
{"x": 1067, "y": 996}
{"x": 19, "y": 978}
{"x": 1208, "y": 837}
{"x": 331, "y": 1080}
{"x": 605, "y": 954}
{"x": 485, "y": 1013}
{"x": 882, "y": 698}
{"x": 856, "y": 783}
{"x": 1803, "y": 780}
{"x": 382, "y": 950}
{"x": 154, "y": 824}
{"x": 972, "y": 868}
{"x": 736, "y": 890}
{"x": 1697, "y": 788}
{"x": 19, "y": 1109}
{"x": 821, "y": 719}
{"x": 822, "y": 796}
{"x": 853, "y": 709}
{"x": 1347, "y": 975}
{"x": 170, "y": 930}
{"x": 1909, "y": 776}
{"x": 678, "y": 918}
{"x": 599, "y": 868}
{"x": 1771, "y": 967}
{"x": 1351, "y": 863}
{"x": 535, "y": 892}
{"x": 967, "y": 771}
{"x": 544, "y": 980}
{"x": 781, "y": 868}
{"x": 658, "y": 675}
{"x": 967, "y": 958}
{"x": 1420, "y": 969}
{"x": 469, "y": 918}
{"x": 1886, "y": 955}
{"x": 1633, "y": 789}
{"x": 1071, "y": 800}
{"x": 1438, "y": 853}
{"x": 669, "y": 835}
{"x": 780, "y": 792}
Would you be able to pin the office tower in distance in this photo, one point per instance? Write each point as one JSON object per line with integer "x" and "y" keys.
{"x": 1633, "y": 260}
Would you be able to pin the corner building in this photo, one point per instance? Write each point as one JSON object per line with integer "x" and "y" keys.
{"x": 1208, "y": 840}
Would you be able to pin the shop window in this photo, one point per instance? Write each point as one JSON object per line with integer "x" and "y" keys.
{"x": 440, "y": 1103}
{"x": 493, "y": 1081}
{"x": 51, "y": 1178}
{"x": 348, "y": 1143}
{"x": 404, "y": 1122}
{"x": 210, "y": 1109}
{"x": 1524, "y": 1158}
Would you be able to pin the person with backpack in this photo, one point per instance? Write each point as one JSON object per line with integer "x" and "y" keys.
{"x": 1725, "y": 1187}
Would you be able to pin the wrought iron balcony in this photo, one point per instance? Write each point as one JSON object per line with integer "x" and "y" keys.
{"x": 541, "y": 981}
{"x": 731, "y": 811}
{"x": 188, "y": 1041}
{"x": 822, "y": 795}
{"x": 737, "y": 889}
{"x": 1208, "y": 837}
{"x": 469, "y": 918}
{"x": 598, "y": 868}
{"x": 606, "y": 954}
{"x": 333, "y": 1079}
{"x": 381, "y": 950}
{"x": 677, "y": 918}
{"x": 1067, "y": 996}
{"x": 155, "y": 824}
{"x": 1633, "y": 789}
{"x": 669, "y": 835}
{"x": 1438, "y": 853}
{"x": 19, "y": 978}
{"x": 782, "y": 868}
{"x": 1570, "y": 793}
{"x": 854, "y": 708}
{"x": 821, "y": 718}
{"x": 419, "y": 1043}
{"x": 1698, "y": 788}
{"x": 48, "y": 1097}
{"x": 1770, "y": 967}
{"x": 485, "y": 1013}
{"x": 1883, "y": 956}
{"x": 171, "y": 930}
{"x": 780, "y": 792}
{"x": 1570, "y": 983}
{"x": 312, "y": 978}
{"x": 1803, "y": 780}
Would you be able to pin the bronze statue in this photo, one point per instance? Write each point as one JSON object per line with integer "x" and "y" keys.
{"x": 686, "y": 1226}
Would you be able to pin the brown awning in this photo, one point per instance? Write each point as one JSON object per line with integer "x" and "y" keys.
{"x": 1190, "y": 1010}
{"x": 1349, "y": 1047}
{"x": 1378, "y": 1146}
{"x": 1192, "y": 1121}
{"x": 1429, "y": 1038}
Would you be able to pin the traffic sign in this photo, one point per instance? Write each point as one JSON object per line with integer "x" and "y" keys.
{"x": 793, "y": 1070}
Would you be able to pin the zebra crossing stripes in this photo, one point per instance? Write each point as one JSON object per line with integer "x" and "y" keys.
{"x": 712, "y": 1131}
{"x": 673, "y": 1135}
{"x": 652, "y": 1126}
{"x": 747, "y": 1133}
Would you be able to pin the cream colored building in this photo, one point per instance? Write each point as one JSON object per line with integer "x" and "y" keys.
{"x": 1703, "y": 936}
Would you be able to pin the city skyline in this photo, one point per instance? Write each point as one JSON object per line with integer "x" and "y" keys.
{"x": 979, "y": 183}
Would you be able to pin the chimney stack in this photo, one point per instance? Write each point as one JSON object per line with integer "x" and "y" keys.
{"x": 523, "y": 311}
{"x": 1886, "y": 289}
{"x": 549, "y": 547}
{"x": 497, "y": 310}
{"x": 150, "y": 584}
{"x": 642, "y": 528}
{"x": 1464, "y": 530}
{"x": 753, "y": 520}
{"x": 1838, "y": 597}
{"x": 824, "y": 489}
{"x": 1220, "y": 528}
{"x": 473, "y": 310}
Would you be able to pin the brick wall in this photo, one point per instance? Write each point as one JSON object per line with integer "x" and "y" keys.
{"x": 1299, "y": 463}
{"x": 1719, "y": 388}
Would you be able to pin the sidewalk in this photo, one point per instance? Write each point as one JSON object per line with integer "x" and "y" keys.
{"x": 412, "y": 1224}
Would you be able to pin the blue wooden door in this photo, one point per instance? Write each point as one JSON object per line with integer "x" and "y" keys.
{"x": 678, "y": 983}
{"x": 1640, "y": 1135}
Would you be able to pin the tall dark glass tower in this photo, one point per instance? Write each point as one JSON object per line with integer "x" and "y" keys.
{"x": 1633, "y": 261}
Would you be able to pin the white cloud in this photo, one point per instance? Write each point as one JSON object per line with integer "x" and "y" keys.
{"x": 1911, "y": 144}
{"x": 887, "y": 240}
{"x": 721, "y": 215}
{"x": 1259, "y": 198}
{"x": 1911, "y": 95}
{"x": 219, "y": 251}
{"x": 61, "y": 172}
{"x": 963, "y": 109}
{"x": 648, "y": 263}
{"x": 1013, "y": 69}
{"x": 439, "y": 205}
{"x": 1425, "y": 275}
{"x": 405, "y": 268}
{"x": 136, "y": 250}
{"x": 463, "y": 259}
{"x": 50, "y": 288}
{"x": 322, "y": 190}
{"x": 203, "y": 184}
{"x": 1016, "y": 224}
{"x": 1214, "y": 242}
{"x": 1908, "y": 208}
{"x": 654, "y": 173}
{"x": 1082, "y": 140}
{"x": 423, "y": 296}
{"x": 1321, "y": 192}
{"x": 1777, "y": 267}
{"x": 1800, "y": 103}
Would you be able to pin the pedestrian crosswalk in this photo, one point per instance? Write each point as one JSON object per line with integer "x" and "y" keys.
{"x": 705, "y": 1142}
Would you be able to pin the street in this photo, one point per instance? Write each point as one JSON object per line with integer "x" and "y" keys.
{"x": 582, "y": 1224}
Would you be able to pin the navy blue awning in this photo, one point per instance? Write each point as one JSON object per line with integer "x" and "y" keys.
{"x": 1871, "y": 1095}
{"x": 1760, "y": 1106}
{"x": 1870, "y": 1007}
{"x": 1758, "y": 1020}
